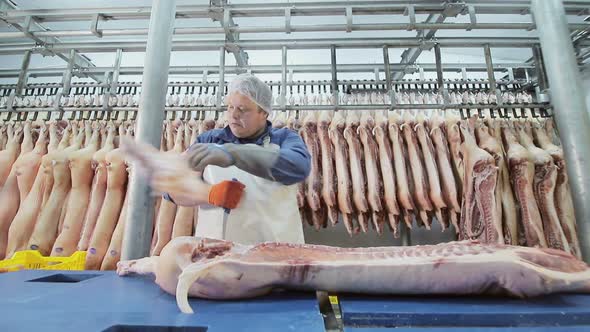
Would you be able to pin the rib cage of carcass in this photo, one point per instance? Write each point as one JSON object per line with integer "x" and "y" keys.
{"x": 496, "y": 180}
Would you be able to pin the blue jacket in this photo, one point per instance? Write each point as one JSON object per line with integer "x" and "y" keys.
{"x": 294, "y": 163}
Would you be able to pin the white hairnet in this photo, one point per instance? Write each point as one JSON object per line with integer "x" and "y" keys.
{"x": 255, "y": 89}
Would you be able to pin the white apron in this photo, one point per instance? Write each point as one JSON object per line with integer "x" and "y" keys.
{"x": 268, "y": 211}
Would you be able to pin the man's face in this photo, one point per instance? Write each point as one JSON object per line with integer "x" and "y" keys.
{"x": 245, "y": 117}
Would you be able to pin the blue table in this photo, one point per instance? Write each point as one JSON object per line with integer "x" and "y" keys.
{"x": 101, "y": 301}
{"x": 550, "y": 313}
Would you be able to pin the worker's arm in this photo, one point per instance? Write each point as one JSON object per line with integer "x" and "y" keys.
{"x": 294, "y": 161}
{"x": 192, "y": 191}
{"x": 289, "y": 164}
{"x": 172, "y": 197}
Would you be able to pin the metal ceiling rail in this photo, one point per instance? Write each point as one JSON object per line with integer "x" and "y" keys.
{"x": 397, "y": 83}
{"x": 283, "y": 29}
{"x": 278, "y": 9}
{"x": 267, "y": 69}
{"x": 298, "y": 107}
{"x": 274, "y": 44}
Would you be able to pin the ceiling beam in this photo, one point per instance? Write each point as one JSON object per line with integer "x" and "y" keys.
{"x": 30, "y": 24}
{"x": 410, "y": 55}
{"x": 266, "y": 9}
{"x": 221, "y": 13}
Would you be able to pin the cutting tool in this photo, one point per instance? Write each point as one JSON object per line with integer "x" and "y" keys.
{"x": 225, "y": 216}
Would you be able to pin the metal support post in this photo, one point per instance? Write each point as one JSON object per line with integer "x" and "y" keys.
{"x": 115, "y": 78}
{"x": 387, "y": 67}
{"x": 541, "y": 74}
{"x": 439, "y": 74}
{"x": 221, "y": 77}
{"x": 570, "y": 113}
{"x": 106, "y": 94}
{"x": 284, "y": 78}
{"x": 23, "y": 75}
{"x": 138, "y": 228}
{"x": 205, "y": 74}
{"x": 376, "y": 72}
{"x": 490, "y": 69}
{"x": 334, "y": 75}
{"x": 66, "y": 80}
{"x": 511, "y": 74}
{"x": 20, "y": 84}
{"x": 116, "y": 71}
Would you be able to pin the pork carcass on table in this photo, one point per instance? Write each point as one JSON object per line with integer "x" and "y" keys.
{"x": 217, "y": 269}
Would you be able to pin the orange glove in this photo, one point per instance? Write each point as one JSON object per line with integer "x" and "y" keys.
{"x": 226, "y": 194}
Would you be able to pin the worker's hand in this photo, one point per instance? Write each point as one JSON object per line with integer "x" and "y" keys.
{"x": 186, "y": 189}
{"x": 167, "y": 173}
{"x": 226, "y": 194}
{"x": 202, "y": 155}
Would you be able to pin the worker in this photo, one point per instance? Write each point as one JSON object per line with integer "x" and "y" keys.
{"x": 268, "y": 161}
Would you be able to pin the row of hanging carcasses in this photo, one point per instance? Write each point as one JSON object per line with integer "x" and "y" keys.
{"x": 494, "y": 179}
{"x": 349, "y": 180}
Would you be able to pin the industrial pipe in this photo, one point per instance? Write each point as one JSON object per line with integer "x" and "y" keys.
{"x": 571, "y": 116}
{"x": 138, "y": 228}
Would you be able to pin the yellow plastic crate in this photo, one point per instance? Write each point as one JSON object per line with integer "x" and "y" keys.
{"x": 33, "y": 260}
